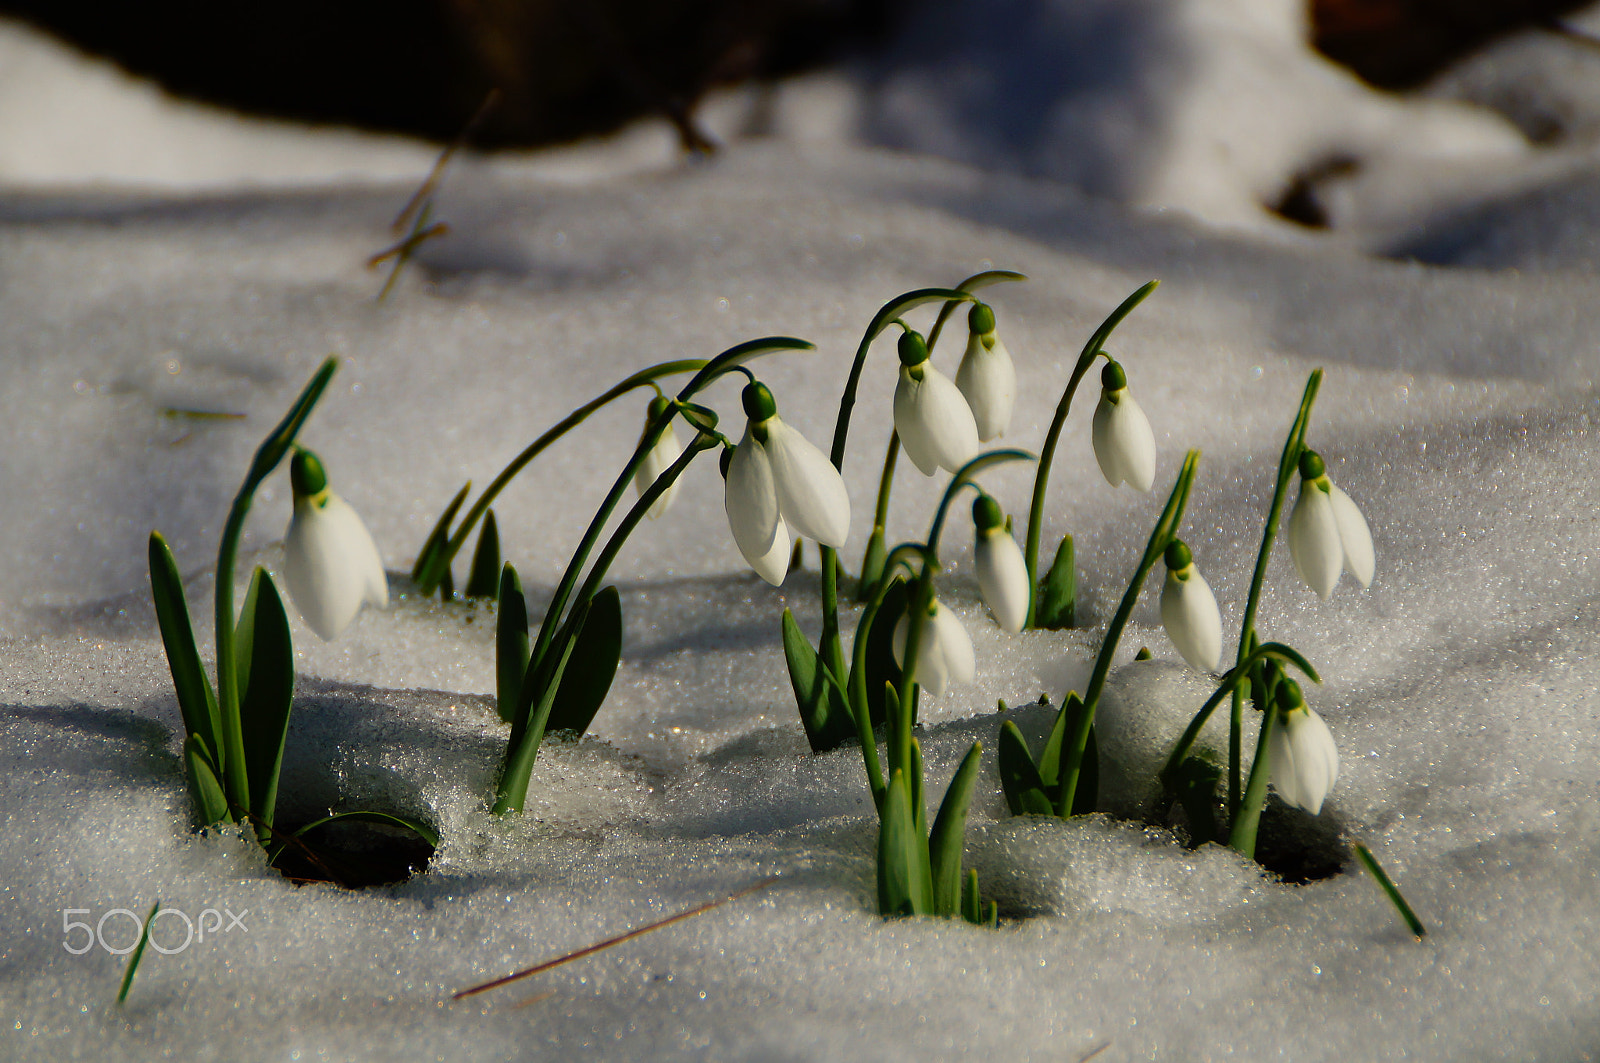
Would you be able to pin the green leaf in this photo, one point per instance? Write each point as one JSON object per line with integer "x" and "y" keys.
{"x": 1019, "y": 777}
{"x": 971, "y": 900}
{"x": 903, "y": 887}
{"x": 1391, "y": 891}
{"x": 138, "y": 954}
{"x": 211, "y": 803}
{"x": 1194, "y": 785}
{"x": 823, "y": 709}
{"x": 485, "y": 579}
{"x": 429, "y": 557}
{"x": 510, "y": 643}
{"x": 265, "y": 704}
{"x": 1088, "y": 791}
{"x": 276, "y": 445}
{"x": 949, "y": 834}
{"x": 1050, "y": 760}
{"x": 197, "y": 701}
{"x": 597, "y": 649}
{"x": 882, "y": 671}
{"x": 1058, "y": 591}
{"x": 871, "y": 565}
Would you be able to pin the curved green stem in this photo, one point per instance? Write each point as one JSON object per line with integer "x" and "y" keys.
{"x": 1242, "y": 835}
{"x": 1231, "y": 681}
{"x": 428, "y": 578}
{"x": 1091, "y": 351}
{"x": 964, "y": 476}
{"x": 1287, "y": 463}
{"x": 1165, "y": 528}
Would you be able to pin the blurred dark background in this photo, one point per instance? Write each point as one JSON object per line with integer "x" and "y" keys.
{"x": 567, "y": 68}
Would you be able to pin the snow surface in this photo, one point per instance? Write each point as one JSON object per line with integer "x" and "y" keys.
{"x": 1458, "y": 410}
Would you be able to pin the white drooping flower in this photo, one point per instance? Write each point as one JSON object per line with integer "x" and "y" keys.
{"x": 986, "y": 378}
{"x": 778, "y": 483}
{"x": 931, "y": 415}
{"x": 1123, "y": 443}
{"x": 331, "y": 565}
{"x": 944, "y": 652}
{"x": 1002, "y": 572}
{"x": 658, "y": 460}
{"x": 1305, "y": 762}
{"x": 1189, "y": 610}
{"x": 1327, "y": 533}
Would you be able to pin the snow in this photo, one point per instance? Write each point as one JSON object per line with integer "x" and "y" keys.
{"x": 1458, "y": 410}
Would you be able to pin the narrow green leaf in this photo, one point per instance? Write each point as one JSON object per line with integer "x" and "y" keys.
{"x": 138, "y": 954}
{"x": 971, "y": 901}
{"x": 1194, "y": 785}
{"x": 429, "y": 558}
{"x": 485, "y": 579}
{"x": 264, "y": 708}
{"x": 1058, "y": 591}
{"x": 738, "y": 355}
{"x": 1391, "y": 891}
{"x": 211, "y": 804}
{"x": 881, "y": 670}
{"x": 823, "y": 710}
{"x": 1019, "y": 777}
{"x": 897, "y": 864}
{"x": 597, "y": 649}
{"x": 872, "y": 565}
{"x": 1050, "y": 759}
{"x": 949, "y": 834}
{"x": 244, "y": 633}
{"x": 510, "y": 643}
{"x": 919, "y": 806}
{"x": 197, "y": 701}
{"x": 276, "y": 445}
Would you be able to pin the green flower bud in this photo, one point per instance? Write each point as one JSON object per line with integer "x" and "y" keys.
{"x": 913, "y": 349}
{"x": 1289, "y": 696}
{"x": 758, "y": 402}
{"x": 657, "y": 407}
{"x": 1112, "y": 378}
{"x": 1178, "y": 556}
{"x": 1311, "y": 464}
{"x": 307, "y": 474}
{"x": 980, "y": 319}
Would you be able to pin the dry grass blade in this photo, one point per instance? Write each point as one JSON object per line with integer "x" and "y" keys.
{"x": 619, "y": 939}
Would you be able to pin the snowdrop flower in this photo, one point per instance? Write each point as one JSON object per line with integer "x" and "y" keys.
{"x": 987, "y": 378}
{"x": 330, "y": 565}
{"x": 1305, "y": 762}
{"x": 1327, "y": 533}
{"x": 1002, "y": 573}
{"x": 660, "y": 458}
{"x": 1189, "y": 610}
{"x": 944, "y": 652}
{"x": 778, "y": 481}
{"x": 933, "y": 418}
{"x": 1123, "y": 443}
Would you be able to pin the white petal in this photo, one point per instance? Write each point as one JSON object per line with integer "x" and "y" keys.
{"x": 934, "y": 421}
{"x": 988, "y": 380}
{"x": 1189, "y": 613}
{"x": 931, "y": 672}
{"x": 1003, "y": 577}
{"x": 811, "y": 493}
{"x": 1314, "y": 540}
{"x": 331, "y": 565}
{"x": 660, "y": 458}
{"x": 1355, "y": 537}
{"x": 1123, "y": 443}
{"x": 954, "y": 645}
{"x": 1285, "y": 777}
{"x": 751, "y": 499}
{"x": 773, "y": 565}
{"x": 1310, "y": 759}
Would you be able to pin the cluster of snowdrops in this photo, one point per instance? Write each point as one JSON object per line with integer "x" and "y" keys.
{"x": 781, "y": 488}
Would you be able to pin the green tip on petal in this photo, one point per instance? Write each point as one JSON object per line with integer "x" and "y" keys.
{"x": 657, "y": 407}
{"x": 1112, "y": 378}
{"x": 758, "y": 402}
{"x": 1311, "y": 464}
{"x": 986, "y": 513}
{"x": 307, "y": 474}
{"x": 1178, "y": 555}
{"x": 980, "y": 319}
{"x": 913, "y": 349}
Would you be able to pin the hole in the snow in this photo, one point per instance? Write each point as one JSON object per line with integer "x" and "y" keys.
{"x": 1303, "y": 201}
{"x": 356, "y": 855}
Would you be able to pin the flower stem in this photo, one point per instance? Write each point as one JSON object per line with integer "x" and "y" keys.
{"x": 1242, "y": 835}
{"x": 1287, "y": 464}
{"x": 1041, "y": 479}
{"x": 1164, "y": 530}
